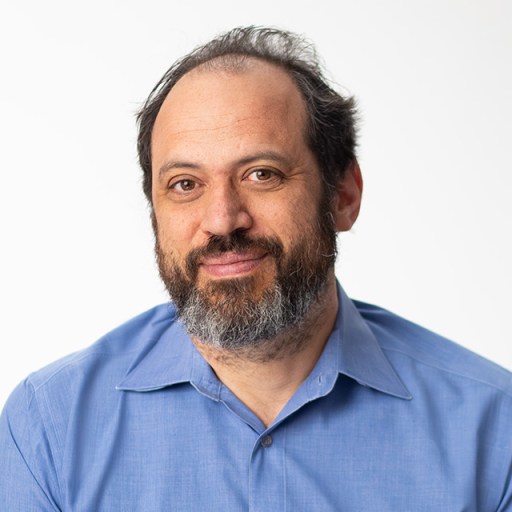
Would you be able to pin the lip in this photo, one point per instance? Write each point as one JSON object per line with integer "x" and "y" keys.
{"x": 232, "y": 264}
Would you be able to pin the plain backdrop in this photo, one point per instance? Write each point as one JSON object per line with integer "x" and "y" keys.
{"x": 433, "y": 81}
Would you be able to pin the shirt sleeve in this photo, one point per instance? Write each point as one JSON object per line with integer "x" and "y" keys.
{"x": 29, "y": 482}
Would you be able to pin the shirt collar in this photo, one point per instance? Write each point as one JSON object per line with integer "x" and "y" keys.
{"x": 172, "y": 358}
{"x": 359, "y": 353}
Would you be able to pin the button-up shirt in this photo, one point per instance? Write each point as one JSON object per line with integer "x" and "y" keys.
{"x": 392, "y": 418}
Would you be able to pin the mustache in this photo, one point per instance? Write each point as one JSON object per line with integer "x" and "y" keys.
{"x": 236, "y": 241}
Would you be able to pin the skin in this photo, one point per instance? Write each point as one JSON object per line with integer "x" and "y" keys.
{"x": 229, "y": 153}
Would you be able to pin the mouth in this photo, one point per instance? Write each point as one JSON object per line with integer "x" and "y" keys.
{"x": 232, "y": 264}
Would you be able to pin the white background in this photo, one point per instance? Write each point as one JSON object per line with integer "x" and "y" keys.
{"x": 434, "y": 85}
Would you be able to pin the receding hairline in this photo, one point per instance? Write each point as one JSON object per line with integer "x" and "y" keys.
{"x": 239, "y": 64}
{"x": 230, "y": 62}
{"x": 235, "y": 63}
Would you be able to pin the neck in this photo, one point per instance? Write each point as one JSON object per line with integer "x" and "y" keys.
{"x": 264, "y": 378}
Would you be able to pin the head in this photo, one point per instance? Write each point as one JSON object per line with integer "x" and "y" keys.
{"x": 245, "y": 151}
{"x": 331, "y": 118}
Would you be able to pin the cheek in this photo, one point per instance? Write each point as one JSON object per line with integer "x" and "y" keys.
{"x": 298, "y": 217}
{"x": 283, "y": 223}
{"x": 175, "y": 231}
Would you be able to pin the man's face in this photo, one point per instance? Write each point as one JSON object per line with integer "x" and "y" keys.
{"x": 244, "y": 238}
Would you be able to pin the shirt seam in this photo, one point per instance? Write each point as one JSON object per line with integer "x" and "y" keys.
{"x": 451, "y": 372}
{"x": 79, "y": 358}
{"x": 34, "y": 399}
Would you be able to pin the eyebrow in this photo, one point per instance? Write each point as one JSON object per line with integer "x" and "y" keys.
{"x": 260, "y": 155}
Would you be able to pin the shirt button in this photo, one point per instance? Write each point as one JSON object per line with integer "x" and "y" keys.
{"x": 266, "y": 441}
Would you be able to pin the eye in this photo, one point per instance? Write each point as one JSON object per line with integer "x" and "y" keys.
{"x": 183, "y": 185}
{"x": 263, "y": 174}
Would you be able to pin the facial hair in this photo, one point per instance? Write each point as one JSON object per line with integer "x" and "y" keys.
{"x": 234, "y": 314}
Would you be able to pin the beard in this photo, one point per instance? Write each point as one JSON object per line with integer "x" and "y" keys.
{"x": 239, "y": 314}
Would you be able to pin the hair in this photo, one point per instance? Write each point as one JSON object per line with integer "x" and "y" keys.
{"x": 331, "y": 117}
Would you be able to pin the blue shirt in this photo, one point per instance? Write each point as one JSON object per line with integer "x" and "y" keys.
{"x": 392, "y": 418}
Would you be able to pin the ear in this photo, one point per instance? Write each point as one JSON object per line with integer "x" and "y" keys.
{"x": 347, "y": 201}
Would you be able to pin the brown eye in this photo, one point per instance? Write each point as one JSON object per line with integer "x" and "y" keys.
{"x": 184, "y": 185}
{"x": 262, "y": 174}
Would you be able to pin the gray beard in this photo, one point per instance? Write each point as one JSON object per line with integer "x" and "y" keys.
{"x": 228, "y": 315}
{"x": 239, "y": 322}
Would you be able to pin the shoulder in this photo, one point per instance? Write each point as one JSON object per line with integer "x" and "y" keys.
{"x": 48, "y": 401}
{"x": 107, "y": 359}
{"x": 409, "y": 344}
{"x": 63, "y": 397}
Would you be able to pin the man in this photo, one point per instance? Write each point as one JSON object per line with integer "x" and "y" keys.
{"x": 262, "y": 387}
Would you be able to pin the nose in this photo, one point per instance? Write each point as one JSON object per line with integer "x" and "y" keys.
{"x": 225, "y": 212}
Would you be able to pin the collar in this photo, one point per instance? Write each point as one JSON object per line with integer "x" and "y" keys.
{"x": 172, "y": 358}
{"x": 359, "y": 353}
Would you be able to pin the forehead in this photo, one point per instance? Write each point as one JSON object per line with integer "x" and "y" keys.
{"x": 257, "y": 96}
